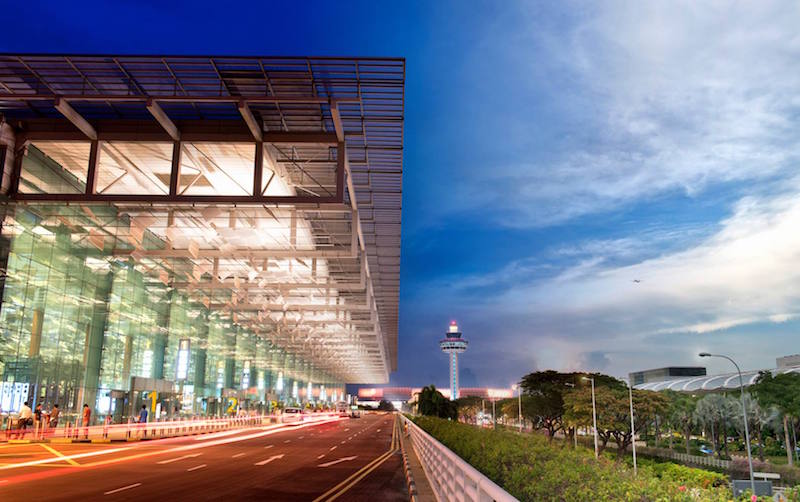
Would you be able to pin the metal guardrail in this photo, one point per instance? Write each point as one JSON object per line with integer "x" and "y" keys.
{"x": 449, "y": 475}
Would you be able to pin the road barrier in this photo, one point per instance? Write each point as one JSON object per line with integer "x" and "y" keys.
{"x": 132, "y": 431}
{"x": 450, "y": 477}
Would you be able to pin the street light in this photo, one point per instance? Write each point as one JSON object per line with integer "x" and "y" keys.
{"x": 744, "y": 412}
{"x": 594, "y": 417}
{"x": 633, "y": 431}
{"x": 518, "y": 388}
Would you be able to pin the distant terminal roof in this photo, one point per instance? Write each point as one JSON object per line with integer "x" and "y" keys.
{"x": 709, "y": 383}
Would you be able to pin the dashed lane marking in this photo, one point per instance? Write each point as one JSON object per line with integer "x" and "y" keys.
{"x": 320, "y": 456}
{"x": 334, "y": 447}
{"x": 121, "y": 489}
{"x": 239, "y": 455}
{"x": 334, "y": 462}
{"x": 193, "y": 455}
{"x": 195, "y": 467}
{"x": 270, "y": 459}
{"x": 269, "y": 446}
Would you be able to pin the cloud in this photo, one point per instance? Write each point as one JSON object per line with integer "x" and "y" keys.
{"x": 593, "y": 315}
{"x": 654, "y": 98}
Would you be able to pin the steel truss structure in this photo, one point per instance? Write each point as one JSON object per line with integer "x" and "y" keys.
{"x": 266, "y": 188}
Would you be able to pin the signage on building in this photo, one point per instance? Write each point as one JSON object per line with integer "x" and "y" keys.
{"x": 182, "y": 367}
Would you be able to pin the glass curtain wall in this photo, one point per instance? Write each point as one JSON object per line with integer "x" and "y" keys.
{"x": 78, "y": 323}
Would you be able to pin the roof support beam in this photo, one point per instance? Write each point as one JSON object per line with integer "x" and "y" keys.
{"x": 337, "y": 121}
{"x": 250, "y": 120}
{"x": 76, "y": 118}
{"x": 158, "y": 113}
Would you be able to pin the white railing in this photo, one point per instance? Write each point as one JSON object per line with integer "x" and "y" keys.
{"x": 450, "y": 477}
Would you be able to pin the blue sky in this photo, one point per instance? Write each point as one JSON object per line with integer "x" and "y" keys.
{"x": 554, "y": 152}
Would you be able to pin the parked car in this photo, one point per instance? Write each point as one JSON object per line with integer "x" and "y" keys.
{"x": 706, "y": 450}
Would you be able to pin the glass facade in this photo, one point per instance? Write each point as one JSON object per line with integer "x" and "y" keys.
{"x": 80, "y": 324}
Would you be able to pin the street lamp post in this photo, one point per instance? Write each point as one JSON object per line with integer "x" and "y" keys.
{"x": 594, "y": 417}
{"x": 633, "y": 430}
{"x": 744, "y": 416}
{"x": 518, "y": 388}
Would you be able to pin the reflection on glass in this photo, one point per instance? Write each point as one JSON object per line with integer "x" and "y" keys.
{"x": 57, "y": 167}
{"x": 133, "y": 168}
{"x": 217, "y": 169}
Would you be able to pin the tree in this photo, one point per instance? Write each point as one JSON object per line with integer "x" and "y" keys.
{"x": 431, "y": 402}
{"x": 613, "y": 412}
{"x": 468, "y": 408}
{"x": 757, "y": 419}
{"x": 385, "y": 405}
{"x": 783, "y": 392}
{"x": 713, "y": 413}
{"x": 679, "y": 414}
{"x": 546, "y": 390}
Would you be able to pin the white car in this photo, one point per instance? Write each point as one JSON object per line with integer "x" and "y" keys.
{"x": 290, "y": 415}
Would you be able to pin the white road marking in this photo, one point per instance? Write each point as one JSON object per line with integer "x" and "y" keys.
{"x": 301, "y": 437}
{"x": 179, "y": 458}
{"x": 333, "y": 447}
{"x": 269, "y": 446}
{"x": 319, "y": 457}
{"x": 346, "y": 430}
{"x": 120, "y": 489}
{"x": 195, "y": 468}
{"x": 270, "y": 459}
{"x": 342, "y": 442}
{"x": 343, "y": 459}
{"x": 378, "y": 430}
{"x": 238, "y": 455}
{"x": 287, "y": 441}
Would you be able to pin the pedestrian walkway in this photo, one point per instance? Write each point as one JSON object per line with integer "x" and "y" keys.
{"x": 424, "y": 492}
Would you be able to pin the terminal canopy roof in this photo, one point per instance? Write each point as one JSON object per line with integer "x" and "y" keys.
{"x": 711, "y": 383}
{"x": 268, "y": 188}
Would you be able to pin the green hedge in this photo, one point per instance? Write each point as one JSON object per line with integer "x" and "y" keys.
{"x": 531, "y": 469}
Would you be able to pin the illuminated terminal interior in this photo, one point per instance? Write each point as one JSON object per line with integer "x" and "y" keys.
{"x": 205, "y": 235}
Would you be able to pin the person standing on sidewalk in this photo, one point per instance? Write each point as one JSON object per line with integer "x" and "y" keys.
{"x": 25, "y": 418}
{"x": 143, "y": 419}
{"x": 54, "y": 416}
{"x": 87, "y": 417}
{"x": 37, "y": 420}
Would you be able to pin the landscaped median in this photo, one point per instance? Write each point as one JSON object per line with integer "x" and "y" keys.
{"x": 531, "y": 469}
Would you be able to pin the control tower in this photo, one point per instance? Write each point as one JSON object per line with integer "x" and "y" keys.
{"x": 453, "y": 344}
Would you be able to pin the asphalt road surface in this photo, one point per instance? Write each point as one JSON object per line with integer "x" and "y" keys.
{"x": 341, "y": 459}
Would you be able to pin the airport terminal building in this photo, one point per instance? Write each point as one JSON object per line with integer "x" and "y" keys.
{"x": 201, "y": 234}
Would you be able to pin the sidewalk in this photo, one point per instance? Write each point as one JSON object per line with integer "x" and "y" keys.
{"x": 424, "y": 492}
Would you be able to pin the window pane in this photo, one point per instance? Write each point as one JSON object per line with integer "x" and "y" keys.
{"x": 217, "y": 169}
{"x": 134, "y": 168}
{"x": 55, "y": 167}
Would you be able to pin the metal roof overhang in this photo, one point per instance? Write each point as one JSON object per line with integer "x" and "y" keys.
{"x": 324, "y": 279}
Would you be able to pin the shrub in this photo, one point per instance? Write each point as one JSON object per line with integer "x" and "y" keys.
{"x": 531, "y": 469}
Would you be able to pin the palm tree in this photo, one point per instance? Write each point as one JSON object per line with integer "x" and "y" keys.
{"x": 715, "y": 412}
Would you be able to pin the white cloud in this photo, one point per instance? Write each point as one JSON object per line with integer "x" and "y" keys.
{"x": 664, "y": 97}
{"x": 748, "y": 272}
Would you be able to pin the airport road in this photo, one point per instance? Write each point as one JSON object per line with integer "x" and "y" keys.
{"x": 339, "y": 459}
